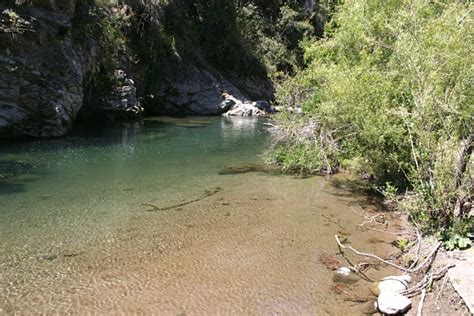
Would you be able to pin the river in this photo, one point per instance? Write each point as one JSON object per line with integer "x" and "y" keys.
{"x": 141, "y": 219}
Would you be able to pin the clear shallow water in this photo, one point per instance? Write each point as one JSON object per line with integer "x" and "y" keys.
{"x": 93, "y": 179}
{"x": 77, "y": 235}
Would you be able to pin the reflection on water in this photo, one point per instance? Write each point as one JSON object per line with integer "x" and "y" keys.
{"x": 77, "y": 236}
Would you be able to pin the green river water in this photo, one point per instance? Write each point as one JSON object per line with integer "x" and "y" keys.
{"x": 139, "y": 219}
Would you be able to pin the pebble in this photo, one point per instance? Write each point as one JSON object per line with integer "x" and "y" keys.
{"x": 345, "y": 275}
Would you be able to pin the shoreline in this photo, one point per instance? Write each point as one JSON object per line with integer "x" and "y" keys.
{"x": 254, "y": 247}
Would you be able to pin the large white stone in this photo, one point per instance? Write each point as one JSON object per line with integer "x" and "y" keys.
{"x": 393, "y": 284}
{"x": 393, "y": 303}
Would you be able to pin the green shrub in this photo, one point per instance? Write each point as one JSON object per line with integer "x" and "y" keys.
{"x": 303, "y": 146}
{"x": 393, "y": 81}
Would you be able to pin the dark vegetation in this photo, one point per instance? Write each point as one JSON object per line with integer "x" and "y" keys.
{"x": 242, "y": 38}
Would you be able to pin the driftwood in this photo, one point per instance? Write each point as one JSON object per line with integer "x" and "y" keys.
{"x": 421, "y": 286}
{"x": 373, "y": 219}
{"x": 420, "y": 305}
{"x": 368, "y": 255}
{"x": 406, "y": 270}
{"x": 207, "y": 193}
{"x": 427, "y": 281}
{"x": 418, "y": 247}
{"x": 441, "y": 289}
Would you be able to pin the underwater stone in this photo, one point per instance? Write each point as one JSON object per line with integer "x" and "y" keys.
{"x": 345, "y": 275}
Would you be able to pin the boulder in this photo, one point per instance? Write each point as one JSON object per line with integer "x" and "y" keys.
{"x": 246, "y": 108}
{"x": 196, "y": 91}
{"x": 391, "y": 284}
{"x": 393, "y": 303}
{"x": 264, "y": 106}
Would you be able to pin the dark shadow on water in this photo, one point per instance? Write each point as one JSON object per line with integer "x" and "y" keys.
{"x": 368, "y": 198}
{"x": 249, "y": 168}
{"x": 10, "y": 168}
{"x": 353, "y": 187}
{"x": 83, "y": 135}
{"x": 7, "y": 187}
{"x": 15, "y": 174}
{"x": 177, "y": 121}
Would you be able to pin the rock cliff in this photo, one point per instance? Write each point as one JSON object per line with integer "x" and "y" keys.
{"x": 56, "y": 68}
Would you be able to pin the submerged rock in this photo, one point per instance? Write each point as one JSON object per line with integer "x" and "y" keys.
{"x": 393, "y": 303}
{"x": 329, "y": 261}
{"x": 15, "y": 168}
{"x": 369, "y": 308}
{"x": 345, "y": 275}
{"x": 48, "y": 257}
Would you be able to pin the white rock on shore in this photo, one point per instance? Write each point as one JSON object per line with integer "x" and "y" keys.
{"x": 392, "y": 284}
{"x": 393, "y": 303}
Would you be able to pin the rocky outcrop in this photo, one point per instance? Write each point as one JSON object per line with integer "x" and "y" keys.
{"x": 119, "y": 101}
{"x": 40, "y": 74}
{"x": 53, "y": 71}
{"x": 197, "y": 91}
{"x": 44, "y": 74}
{"x": 246, "y": 108}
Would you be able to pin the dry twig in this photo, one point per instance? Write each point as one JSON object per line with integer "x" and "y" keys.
{"x": 427, "y": 281}
{"x": 207, "y": 193}
{"x": 420, "y": 305}
{"x": 406, "y": 270}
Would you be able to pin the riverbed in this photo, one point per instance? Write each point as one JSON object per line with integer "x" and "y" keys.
{"x": 143, "y": 218}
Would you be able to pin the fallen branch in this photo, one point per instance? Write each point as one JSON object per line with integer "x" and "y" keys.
{"x": 207, "y": 194}
{"x": 369, "y": 255}
{"x": 428, "y": 258}
{"x": 426, "y": 281}
{"x": 418, "y": 247}
{"x": 441, "y": 289}
{"x": 406, "y": 270}
{"x": 420, "y": 305}
{"x": 373, "y": 219}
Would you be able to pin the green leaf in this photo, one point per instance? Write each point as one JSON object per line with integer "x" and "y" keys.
{"x": 463, "y": 243}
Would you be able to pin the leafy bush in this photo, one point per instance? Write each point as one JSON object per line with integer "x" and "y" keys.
{"x": 303, "y": 146}
{"x": 393, "y": 81}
